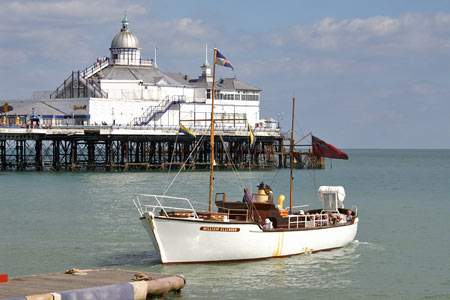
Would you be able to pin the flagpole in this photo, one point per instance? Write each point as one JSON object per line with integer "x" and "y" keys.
{"x": 211, "y": 172}
{"x": 292, "y": 151}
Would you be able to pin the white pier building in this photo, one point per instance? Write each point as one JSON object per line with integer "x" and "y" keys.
{"x": 124, "y": 89}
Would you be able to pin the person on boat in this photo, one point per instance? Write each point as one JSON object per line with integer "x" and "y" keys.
{"x": 261, "y": 186}
{"x": 325, "y": 220}
{"x": 268, "y": 224}
{"x": 269, "y": 194}
{"x": 349, "y": 216}
{"x": 341, "y": 220}
{"x": 246, "y": 197}
{"x": 318, "y": 219}
{"x": 330, "y": 219}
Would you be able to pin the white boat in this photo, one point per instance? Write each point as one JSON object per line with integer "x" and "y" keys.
{"x": 249, "y": 230}
{"x": 238, "y": 231}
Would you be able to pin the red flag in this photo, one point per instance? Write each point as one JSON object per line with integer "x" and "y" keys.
{"x": 320, "y": 148}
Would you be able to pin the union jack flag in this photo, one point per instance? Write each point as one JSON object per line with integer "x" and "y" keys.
{"x": 222, "y": 60}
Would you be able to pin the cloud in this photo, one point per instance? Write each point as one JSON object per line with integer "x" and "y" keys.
{"x": 179, "y": 37}
{"x": 305, "y": 66}
{"x": 67, "y": 12}
{"x": 378, "y": 35}
{"x": 58, "y": 31}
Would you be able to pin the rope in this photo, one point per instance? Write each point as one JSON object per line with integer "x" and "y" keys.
{"x": 275, "y": 176}
{"x": 249, "y": 165}
{"x": 299, "y": 126}
{"x": 233, "y": 167}
{"x": 140, "y": 276}
{"x": 77, "y": 272}
{"x": 171, "y": 158}
{"x": 182, "y": 166}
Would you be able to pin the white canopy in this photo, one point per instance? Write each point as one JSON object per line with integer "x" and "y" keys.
{"x": 339, "y": 190}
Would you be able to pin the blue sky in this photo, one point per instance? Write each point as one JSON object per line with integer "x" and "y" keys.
{"x": 365, "y": 74}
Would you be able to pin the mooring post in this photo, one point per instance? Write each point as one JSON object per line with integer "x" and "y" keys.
{"x": 126, "y": 154}
{"x": 38, "y": 155}
{"x": 74, "y": 155}
{"x": 3, "y": 154}
{"x": 17, "y": 154}
{"x": 91, "y": 155}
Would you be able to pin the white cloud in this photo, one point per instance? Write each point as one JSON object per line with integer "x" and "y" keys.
{"x": 61, "y": 31}
{"x": 179, "y": 37}
{"x": 374, "y": 35}
{"x": 67, "y": 12}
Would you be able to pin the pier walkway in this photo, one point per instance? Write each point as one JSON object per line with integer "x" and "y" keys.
{"x": 98, "y": 284}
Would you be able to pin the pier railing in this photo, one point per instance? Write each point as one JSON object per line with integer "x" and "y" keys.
{"x": 96, "y": 67}
{"x": 156, "y": 128}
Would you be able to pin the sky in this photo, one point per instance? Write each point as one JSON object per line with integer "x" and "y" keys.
{"x": 365, "y": 74}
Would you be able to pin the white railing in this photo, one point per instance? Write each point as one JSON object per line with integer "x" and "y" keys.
{"x": 132, "y": 62}
{"x": 164, "y": 202}
{"x": 355, "y": 209}
{"x": 89, "y": 71}
{"x": 146, "y": 63}
{"x": 151, "y": 112}
{"x": 308, "y": 221}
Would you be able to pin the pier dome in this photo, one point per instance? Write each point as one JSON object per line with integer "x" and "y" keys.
{"x": 125, "y": 38}
{"x": 125, "y": 46}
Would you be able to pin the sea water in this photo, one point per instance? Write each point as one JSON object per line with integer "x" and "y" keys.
{"x": 53, "y": 221}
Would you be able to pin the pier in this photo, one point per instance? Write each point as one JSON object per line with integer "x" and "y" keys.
{"x": 91, "y": 284}
{"x": 126, "y": 148}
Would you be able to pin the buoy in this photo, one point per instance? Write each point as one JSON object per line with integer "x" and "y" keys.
{"x": 3, "y": 277}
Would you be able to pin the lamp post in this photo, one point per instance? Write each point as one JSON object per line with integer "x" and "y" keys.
{"x": 280, "y": 119}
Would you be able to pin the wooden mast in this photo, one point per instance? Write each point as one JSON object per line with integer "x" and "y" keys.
{"x": 291, "y": 152}
{"x": 211, "y": 172}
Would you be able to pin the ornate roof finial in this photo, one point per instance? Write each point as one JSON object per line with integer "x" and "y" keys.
{"x": 125, "y": 20}
{"x": 155, "y": 65}
{"x": 206, "y": 63}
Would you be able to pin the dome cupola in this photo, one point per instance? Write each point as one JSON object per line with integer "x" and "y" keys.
{"x": 125, "y": 46}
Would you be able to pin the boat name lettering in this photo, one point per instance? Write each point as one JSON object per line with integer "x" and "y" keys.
{"x": 224, "y": 229}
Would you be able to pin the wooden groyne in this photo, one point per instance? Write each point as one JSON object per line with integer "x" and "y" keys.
{"x": 91, "y": 284}
{"x": 109, "y": 148}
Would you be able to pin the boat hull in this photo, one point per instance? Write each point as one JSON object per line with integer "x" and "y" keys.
{"x": 195, "y": 241}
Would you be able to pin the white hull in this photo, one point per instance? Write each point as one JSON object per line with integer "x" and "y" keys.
{"x": 192, "y": 240}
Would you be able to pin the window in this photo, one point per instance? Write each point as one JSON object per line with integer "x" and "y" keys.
{"x": 329, "y": 201}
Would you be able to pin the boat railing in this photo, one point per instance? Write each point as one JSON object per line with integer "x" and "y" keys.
{"x": 299, "y": 206}
{"x": 177, "y": 204}
{"x": 302, "y": 221}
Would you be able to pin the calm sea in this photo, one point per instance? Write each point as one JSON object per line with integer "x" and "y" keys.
{"x": 50, "y": 222}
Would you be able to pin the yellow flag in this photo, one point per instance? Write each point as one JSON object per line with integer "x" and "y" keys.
{"x": 252, "y": 136}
